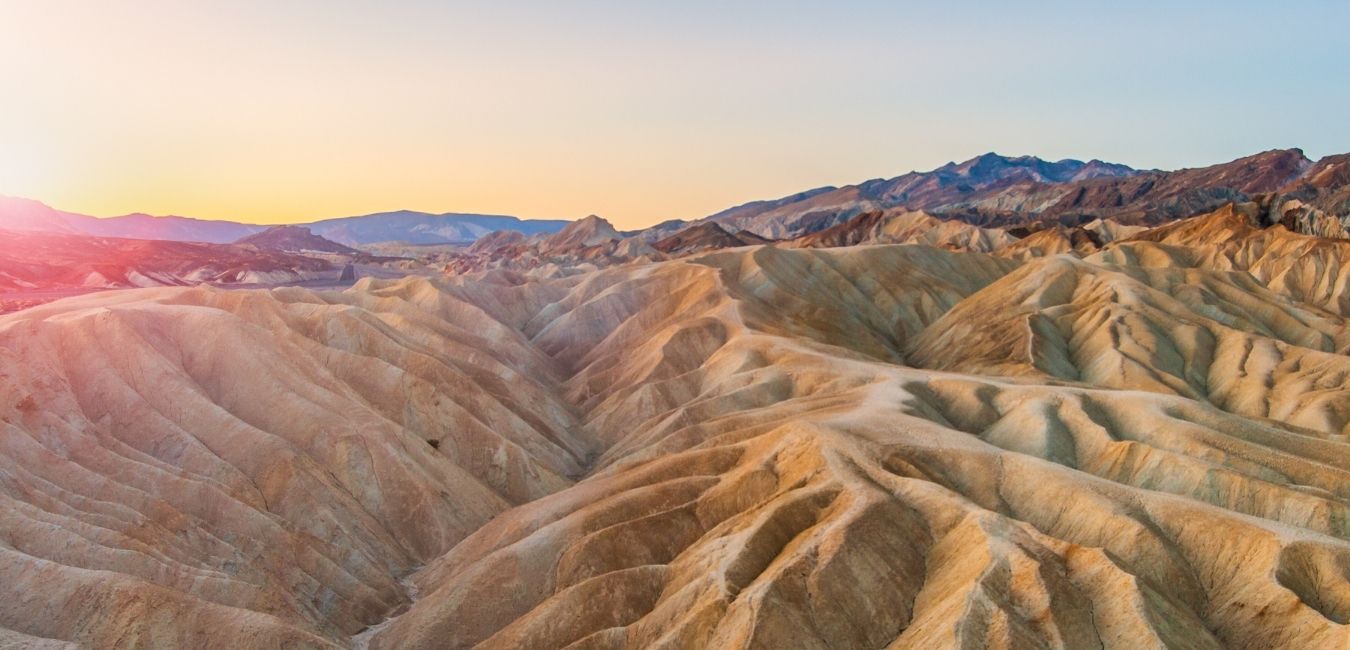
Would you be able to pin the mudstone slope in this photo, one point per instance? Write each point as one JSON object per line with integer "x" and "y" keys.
{"x": 1138, "y": 443}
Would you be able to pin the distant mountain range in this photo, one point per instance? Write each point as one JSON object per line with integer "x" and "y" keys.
{"x": 989, "y": 191}
{"x": 1015, "y": 207}
{"x": 402, "y": 225}
{"x": 994, "y": 190}
{"x": 425, "y": 228}
{"x": 34, "y": 216}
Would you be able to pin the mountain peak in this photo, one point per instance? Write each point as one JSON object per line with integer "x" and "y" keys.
{"x": 591, "y": 230}
{"x": 18, "y": 213}
{"x": 994, "y": 167}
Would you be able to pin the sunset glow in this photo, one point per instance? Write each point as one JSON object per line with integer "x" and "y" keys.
{"x": 587, "y": 324}
{"x": 272, "y": 112}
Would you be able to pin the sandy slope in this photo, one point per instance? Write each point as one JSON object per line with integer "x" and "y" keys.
{"x": 1211, "y": 336}
{"x": 179, "y": 460}
{"x": 874, "y": 446}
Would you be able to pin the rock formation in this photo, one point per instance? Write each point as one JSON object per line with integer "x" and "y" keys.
{"x": 1140, "y": 445}
{"x": 48, "y": 261}
{"x": 905, "y": 227}
{"x": 295, "y": 239}
{"x": 706, "y": 236}
{"x": 582, "y": 233}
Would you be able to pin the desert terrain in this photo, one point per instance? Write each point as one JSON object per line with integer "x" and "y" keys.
{"x": 891, "y": 427}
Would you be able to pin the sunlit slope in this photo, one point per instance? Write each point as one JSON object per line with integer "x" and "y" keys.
{"x": 1212, "y": 336}
{"x": 766, "y": 485}
{"x": 181, "y": 462}
{"x": 758, "y": 447}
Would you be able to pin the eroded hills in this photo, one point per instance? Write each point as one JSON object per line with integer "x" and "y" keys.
{"x": 906, "y": 433}
{"x": 1008, "y": 403}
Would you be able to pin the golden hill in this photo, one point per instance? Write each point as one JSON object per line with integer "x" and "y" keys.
{"x": 871, "y": 446}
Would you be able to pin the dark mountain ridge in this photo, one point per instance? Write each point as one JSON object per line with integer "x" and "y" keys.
{"x": 996, "y": 190}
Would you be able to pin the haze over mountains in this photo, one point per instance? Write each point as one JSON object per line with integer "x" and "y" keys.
{"x": 295, "y": 239}
{"x": 42, "y": 261}
{"x": 402, "y": 225}
{"x": 1007, "y": 404}
{"x": 986, "y": 190}
{"x": 1016, "y": 207}
{"x": 994, "y": 190}
{"x": 40, "y": 266}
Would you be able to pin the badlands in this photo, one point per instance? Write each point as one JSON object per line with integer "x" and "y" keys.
{"x": 905, "y": 433}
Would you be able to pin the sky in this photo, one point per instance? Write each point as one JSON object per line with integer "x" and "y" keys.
{"x": 273, "y": 112}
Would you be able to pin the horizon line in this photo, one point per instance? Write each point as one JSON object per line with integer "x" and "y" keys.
{"x": 828, "y": 187}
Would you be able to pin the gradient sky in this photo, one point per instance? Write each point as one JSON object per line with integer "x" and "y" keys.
{"x": 271, "y": 111}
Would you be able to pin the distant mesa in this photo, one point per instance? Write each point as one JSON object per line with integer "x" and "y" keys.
{"x": 412, "y": 227}
{"x": 295, "y": 239}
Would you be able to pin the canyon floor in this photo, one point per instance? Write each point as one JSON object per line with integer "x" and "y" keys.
{"x": 870, "y": 446}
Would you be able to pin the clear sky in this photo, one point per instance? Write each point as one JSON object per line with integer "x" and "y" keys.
{"x": 273, "y": 111}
